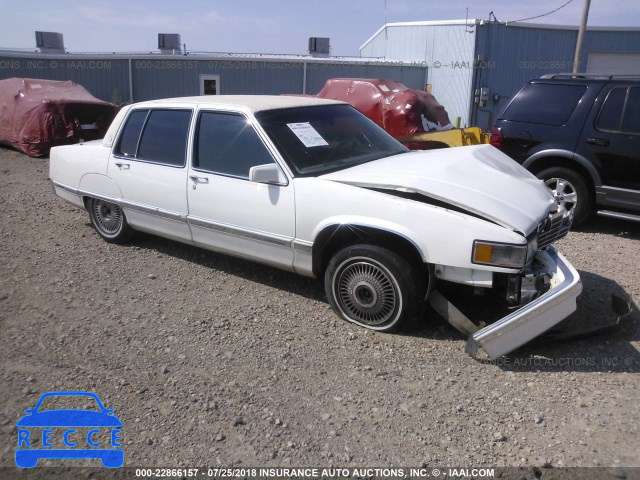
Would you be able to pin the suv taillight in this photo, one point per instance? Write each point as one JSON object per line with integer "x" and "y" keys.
{"x": 496, "y": 138}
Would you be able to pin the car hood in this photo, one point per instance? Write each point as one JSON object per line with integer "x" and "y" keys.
{"x": 479, "y": 179}
{"x": 69, "y": 418}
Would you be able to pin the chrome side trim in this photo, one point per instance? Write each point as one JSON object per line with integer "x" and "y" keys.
{"x": 303, "y": 246}
{"x": 619, "y": 215}
{"x": 535, "y": 318}
{"x": 65, "y": 187}
{"x": 237, "y": 231}
{"x": 181, "y": 217}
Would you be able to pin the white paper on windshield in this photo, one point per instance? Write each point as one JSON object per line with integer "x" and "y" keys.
{"x": 383, "y": 87}
{"x": 308, "y": 135}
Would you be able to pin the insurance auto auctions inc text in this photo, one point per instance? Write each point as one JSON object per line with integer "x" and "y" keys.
{"x": 334, "y": 473}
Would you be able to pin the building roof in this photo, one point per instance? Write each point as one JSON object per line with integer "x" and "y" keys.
{"x": 477, "y": 21}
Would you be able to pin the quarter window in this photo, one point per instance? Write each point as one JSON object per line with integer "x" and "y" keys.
{"x": 130, "y": 137}
{"x": 156, "y": 136}
{"x": 229, "y": 145}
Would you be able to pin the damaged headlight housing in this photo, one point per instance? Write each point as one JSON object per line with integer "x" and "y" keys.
{"x": 497, "y": 254}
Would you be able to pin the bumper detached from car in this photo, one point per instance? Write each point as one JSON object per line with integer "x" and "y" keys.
{"x": 536, "y": 317}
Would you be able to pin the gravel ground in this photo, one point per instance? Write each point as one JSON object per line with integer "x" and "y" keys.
{"x": 210, "y": 360}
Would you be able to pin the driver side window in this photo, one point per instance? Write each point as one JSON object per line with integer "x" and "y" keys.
{"x": 228, "y": 145}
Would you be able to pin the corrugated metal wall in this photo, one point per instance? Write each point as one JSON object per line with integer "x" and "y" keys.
{"x": 107, "y": 77}
{"x": 447, "y": 50}
{"x": 509, "y": 56}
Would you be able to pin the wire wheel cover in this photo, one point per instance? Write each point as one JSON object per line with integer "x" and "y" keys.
{"x": 366, "y": 292}
{"x": 108, "y": 217}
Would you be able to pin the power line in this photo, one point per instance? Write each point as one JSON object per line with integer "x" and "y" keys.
{"x": 544, "y": 14}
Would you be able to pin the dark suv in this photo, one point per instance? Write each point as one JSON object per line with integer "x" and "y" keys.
{"x": 581, "y": 135}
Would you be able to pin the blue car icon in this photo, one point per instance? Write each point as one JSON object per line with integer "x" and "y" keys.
{"x": 63, "y": 433}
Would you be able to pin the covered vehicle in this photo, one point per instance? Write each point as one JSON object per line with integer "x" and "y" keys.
{"x": 413, "y": 117}
{"x": 36, "y": 114}
{"x": 313, "y": 186}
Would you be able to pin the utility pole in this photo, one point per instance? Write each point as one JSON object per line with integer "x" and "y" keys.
{"x": 583, "y": 27}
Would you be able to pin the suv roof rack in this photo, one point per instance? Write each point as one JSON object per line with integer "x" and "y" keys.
{"x": 594, "y": 76}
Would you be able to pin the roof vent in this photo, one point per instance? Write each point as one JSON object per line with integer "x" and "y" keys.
{"x": 50, "y": 42}
{"x": 319, "y": 46}
{"x": 169, "y": 43}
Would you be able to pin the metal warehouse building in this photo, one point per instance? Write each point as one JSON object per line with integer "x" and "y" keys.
{"x": 138, "y": 77}
{"x": 476, "y": 66}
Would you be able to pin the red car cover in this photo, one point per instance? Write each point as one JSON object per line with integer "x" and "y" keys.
{"x": 400, "y": 110}
{"x": 36, "y": 115}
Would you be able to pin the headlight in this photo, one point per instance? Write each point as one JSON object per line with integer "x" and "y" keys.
{"x": 499, "y": 254}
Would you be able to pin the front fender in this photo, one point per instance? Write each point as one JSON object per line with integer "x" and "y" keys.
{"x": 355, "y": 221}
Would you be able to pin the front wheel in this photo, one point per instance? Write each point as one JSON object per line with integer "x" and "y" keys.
{"x": 109, "y": 221}
{"x": 373, "y": 287}
{"x": 570, "y": 191}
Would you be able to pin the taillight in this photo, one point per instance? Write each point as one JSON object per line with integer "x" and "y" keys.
{"x": 496, "y": 138}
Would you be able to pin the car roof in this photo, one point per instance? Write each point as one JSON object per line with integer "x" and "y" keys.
{"x": 253, "y": 103}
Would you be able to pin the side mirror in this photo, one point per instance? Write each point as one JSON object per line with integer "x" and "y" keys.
{"x": 269, "y": 173}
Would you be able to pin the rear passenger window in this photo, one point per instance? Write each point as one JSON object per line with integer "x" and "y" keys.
{"x": 610, "y": 116}
{"x": 156, "y": 136}
{"x": 631, "y": 120}
{"x": 228, "y": 144}
{"x": 620, "y": 112}
{"x": 544, "y": 103}
{"x": 164, "y": 138}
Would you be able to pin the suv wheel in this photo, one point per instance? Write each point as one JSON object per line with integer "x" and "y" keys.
{"x": 570, "y": 190}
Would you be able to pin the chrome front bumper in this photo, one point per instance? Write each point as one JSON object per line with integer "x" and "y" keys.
{"x": 536, "y": 317}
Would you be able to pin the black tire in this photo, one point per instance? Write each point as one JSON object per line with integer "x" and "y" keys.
{"x": 109, "y": 221}
{"x": 373, "y": 287}
{"x": 570, "y": 189}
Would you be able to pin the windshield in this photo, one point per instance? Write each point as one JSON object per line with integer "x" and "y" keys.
{"x": 326, "y": 138}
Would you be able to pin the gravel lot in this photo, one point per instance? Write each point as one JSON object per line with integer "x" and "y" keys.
{"x": 209, "y": 360}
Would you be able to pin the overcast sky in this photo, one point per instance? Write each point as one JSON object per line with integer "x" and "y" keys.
{"x": 276, "y": 26}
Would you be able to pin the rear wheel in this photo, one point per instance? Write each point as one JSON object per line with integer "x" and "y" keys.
{"x": 570, "y": 190}
{"x": 373, "y": 287}
{"x": 109, "y": 221}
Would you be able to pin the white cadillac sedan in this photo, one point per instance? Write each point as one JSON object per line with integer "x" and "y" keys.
{"x": 315, "y": 187}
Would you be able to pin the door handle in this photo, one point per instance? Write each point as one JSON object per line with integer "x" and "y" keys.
{"x": 601, "y": 142}
{"x": 197, "y": 179}
{"x": 123, "y": 166}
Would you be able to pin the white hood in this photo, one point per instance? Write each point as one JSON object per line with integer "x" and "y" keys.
{"x": 479, "y": 179}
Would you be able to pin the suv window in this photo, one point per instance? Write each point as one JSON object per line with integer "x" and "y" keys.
{"x": 156, "y": 136}
{"x": 619, "y": 112}
{"x": 228, "y": 144}
{"x": 631, "y": 118}
{"x": 544, "y": 103}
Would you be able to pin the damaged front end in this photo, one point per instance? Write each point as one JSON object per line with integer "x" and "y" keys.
{"x": 542, "y": 295}
{"x": 537, "y": 316}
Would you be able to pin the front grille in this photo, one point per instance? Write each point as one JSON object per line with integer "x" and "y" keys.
{"x": 553, "y": 228}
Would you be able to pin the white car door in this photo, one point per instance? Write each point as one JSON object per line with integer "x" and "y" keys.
{"x": 148, "y": 164}
{"x": 227, "y": 212}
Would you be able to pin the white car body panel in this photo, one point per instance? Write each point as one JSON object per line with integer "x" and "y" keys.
{"x": 456, "y": 196}
{"x": 477, "y": 178}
